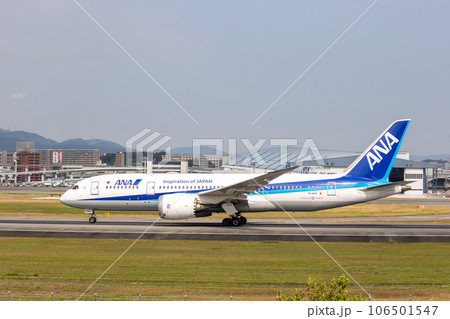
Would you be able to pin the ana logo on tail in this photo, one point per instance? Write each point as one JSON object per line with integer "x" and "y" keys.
{"x": 374, "y": 156}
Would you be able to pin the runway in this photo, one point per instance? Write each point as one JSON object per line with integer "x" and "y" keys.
{"x": 413, "y": 201}
{"x": 211, "y": 229}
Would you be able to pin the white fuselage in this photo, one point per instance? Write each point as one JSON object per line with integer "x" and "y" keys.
{"x": 290, "y": 192}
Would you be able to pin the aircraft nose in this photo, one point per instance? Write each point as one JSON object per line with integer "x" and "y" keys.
{"x": 64, "y": 198}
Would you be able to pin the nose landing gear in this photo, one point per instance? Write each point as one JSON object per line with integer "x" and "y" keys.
{"x": 92, "y": 219}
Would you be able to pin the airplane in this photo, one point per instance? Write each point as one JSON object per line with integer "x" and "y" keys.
{"x": 185, "y": 196}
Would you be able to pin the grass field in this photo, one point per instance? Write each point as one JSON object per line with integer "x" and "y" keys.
{"x": 32, "y": 268}
{"x": 52, "y": 207}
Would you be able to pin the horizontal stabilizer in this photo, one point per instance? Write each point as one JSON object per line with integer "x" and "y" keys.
{"x": 389, "y": 184}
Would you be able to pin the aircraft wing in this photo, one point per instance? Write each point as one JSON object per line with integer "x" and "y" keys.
{"x": 238, "y": 190}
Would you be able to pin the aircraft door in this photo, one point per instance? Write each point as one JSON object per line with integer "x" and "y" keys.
{"x": 331, "y": 189}
{"x": 95, "y": 188}
{"x": 150, "y": 188}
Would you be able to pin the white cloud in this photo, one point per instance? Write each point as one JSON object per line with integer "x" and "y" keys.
{"x": 16, "y": 97}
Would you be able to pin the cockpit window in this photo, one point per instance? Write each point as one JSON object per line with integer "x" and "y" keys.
{"x": 75, "y": 187}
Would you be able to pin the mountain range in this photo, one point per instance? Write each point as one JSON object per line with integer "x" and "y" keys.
{"x": 8, "y": 141}
{"x": 430, "y": 157}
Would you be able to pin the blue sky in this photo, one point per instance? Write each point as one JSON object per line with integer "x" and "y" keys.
{"x": 225, "y": 62}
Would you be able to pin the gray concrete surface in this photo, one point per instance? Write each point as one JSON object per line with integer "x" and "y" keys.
{"x": 413, "y": 201}
{"x": 208, "y": 229}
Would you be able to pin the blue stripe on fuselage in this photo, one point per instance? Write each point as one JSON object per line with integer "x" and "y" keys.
{"x": 344, "y": 182}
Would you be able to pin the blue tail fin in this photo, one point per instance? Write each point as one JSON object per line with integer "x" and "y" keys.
{"x": 377, "y": 160}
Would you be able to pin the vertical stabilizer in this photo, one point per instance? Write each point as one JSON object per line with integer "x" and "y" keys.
{"x": 377, "y": 160}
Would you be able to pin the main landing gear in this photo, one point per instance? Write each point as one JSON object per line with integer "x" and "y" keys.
{"x": 92, "y": 219}
{"x": 234, "y": 221}
{"x": 235, "y": 218}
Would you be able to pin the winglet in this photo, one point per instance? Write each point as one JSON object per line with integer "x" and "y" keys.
{"x": 377, "y": 160}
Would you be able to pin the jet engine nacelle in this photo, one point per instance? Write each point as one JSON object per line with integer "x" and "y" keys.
{"x": 178, "y": 206}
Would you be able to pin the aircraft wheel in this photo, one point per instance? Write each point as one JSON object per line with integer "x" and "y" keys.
{"x": 92, "y": 220}
{"x": 226, "y": 222}
{"x": 235, "y": 222}
{"x": 242, "y": 220}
